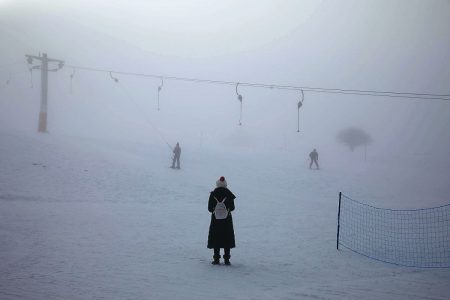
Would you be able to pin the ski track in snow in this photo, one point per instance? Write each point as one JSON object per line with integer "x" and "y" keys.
{"x": 84, "y": 220}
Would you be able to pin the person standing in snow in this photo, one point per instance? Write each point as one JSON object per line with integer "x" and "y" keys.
{"x": 176, "y": 156}
{"x": 314, "y": 156}
{"x": 221, "y": 231}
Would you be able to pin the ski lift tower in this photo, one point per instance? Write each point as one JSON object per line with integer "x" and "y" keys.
{"x": 42, "y": 127}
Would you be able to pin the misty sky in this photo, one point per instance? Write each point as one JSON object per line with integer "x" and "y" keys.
{"x": 376, "y": 45}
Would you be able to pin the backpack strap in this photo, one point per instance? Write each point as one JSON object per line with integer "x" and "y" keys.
{"x": 220, "y": 201}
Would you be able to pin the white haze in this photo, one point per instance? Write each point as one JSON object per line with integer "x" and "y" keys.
{"x": 90, "y": 210}
{"x": 384, "y": 45}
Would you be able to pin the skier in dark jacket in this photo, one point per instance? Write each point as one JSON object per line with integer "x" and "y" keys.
{"x": 176, "y": 156}
{"x": 314, "y": 156}
{"x": 221, "y": 232}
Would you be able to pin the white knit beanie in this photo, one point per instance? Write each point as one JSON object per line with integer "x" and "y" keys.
{"x": 221, "y": 182}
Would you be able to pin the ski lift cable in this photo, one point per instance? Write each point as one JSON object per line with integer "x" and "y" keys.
{"x": 286, "y": 87}
{"x": 144, "y": 117}
{"x": 317, "y": 89}
{"x": 127, "y": 93}
{"x": 391, "y": 94}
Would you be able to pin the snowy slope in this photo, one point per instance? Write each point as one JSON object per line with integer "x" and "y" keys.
{"x": 96, "y": 219}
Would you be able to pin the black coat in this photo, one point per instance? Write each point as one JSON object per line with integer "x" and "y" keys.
{"x": 221, "y": 232}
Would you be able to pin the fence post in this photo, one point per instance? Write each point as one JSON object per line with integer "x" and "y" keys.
{"x": 339, "y": 221}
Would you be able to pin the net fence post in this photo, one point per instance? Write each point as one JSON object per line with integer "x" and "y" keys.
{"x": 338, "y": 221}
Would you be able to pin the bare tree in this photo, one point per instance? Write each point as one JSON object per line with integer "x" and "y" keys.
{"x": 354, "y": 137}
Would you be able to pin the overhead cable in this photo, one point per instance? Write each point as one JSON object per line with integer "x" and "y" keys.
{"x": 374, "y": 93}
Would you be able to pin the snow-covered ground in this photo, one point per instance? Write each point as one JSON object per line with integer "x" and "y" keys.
{"x": 96, "y": 219}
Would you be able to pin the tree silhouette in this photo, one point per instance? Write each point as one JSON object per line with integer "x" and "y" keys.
{"x": 354, "y": 137}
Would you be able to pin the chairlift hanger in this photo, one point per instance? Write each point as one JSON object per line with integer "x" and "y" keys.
{"x": 237, "y": 93}
{"x": 112, "y": 77}
{"x": 159, "y": 89}
{"x": 31, "y": 77}
{"x": 161, "y": 86}
{"x": 73, "y": 73}
{"x": 240, "y": 100}
{"x": 299, "y": 104}
{"x": 71, "y": 78}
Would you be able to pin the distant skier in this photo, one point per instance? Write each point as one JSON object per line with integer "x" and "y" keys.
{"x": 176, "y": 156}
{"x": 221, "y": 232}
{"x": 314, "y": 156}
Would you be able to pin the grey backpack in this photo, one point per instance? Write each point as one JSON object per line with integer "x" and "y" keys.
{"x": 221, "y": 211}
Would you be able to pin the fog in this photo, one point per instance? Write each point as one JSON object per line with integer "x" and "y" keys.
{"x": 400, "y": 46}
{"x": 92, "y": 209}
